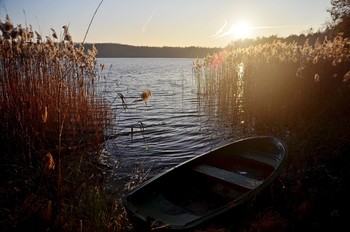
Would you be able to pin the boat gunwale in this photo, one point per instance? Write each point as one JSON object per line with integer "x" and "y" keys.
{"x": 277, "y": 169}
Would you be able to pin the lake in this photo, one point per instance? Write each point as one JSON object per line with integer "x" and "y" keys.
{"x": 175, "y": 124}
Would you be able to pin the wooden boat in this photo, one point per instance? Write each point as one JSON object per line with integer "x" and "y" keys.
{"x": 208, "y": 185}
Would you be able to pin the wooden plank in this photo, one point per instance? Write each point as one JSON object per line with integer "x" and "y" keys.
{"x": 228, "y": 176}
{"x": 262, "y": 157}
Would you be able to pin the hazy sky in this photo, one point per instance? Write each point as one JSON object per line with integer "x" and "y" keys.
{"x": 209, "y": 23}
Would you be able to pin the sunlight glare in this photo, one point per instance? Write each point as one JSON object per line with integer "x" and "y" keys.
{"x": 241, "y": 30}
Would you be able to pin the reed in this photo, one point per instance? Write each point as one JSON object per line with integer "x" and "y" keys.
{"x": 279, "y": 84}
{"x": 299, "y": 92}
{"x": 53, "y": 123}
{"x": 48, "y": 98}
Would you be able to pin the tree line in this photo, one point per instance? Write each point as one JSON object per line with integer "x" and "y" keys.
{"x": 109, "y": 50}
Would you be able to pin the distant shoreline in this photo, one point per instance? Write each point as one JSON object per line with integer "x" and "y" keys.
{"x": 114, "y": 50}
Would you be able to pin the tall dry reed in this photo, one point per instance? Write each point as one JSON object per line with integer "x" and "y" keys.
{"x": 51, "y": 113}
{"x": 300, "y": 93}
{"x": 48, "y": 98}
{"x": 282, "y": 84}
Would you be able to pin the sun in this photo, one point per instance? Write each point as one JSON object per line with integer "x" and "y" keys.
{"x": 241, "y": 30}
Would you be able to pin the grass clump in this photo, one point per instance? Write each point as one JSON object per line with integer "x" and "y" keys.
{"x": 53, "y": 125}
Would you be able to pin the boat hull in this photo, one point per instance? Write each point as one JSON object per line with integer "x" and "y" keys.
{"x": 207, "y": 185}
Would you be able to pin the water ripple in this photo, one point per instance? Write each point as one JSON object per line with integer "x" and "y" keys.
{"x": 172, "y": 127}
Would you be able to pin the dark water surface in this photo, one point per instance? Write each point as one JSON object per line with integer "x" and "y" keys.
{"x": 174, "y": 126}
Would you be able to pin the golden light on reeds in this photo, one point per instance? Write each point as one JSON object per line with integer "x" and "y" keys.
{"x": 49, "y": 163}
{"x": 44, "y": 116}
{"x": 317, "y": 78}
{"x": 346, "y": 77}
{"x": 45, "y": 86}
{"x": 282, "y": 82}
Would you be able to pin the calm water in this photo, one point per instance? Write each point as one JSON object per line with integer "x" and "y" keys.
{"x": 174, "y": 126}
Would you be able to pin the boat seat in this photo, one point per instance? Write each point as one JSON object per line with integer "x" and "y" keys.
{"x": 228, "y": 176}
{"x": 261, "y": 157}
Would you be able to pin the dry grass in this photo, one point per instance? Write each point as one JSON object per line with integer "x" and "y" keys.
{"x": 53, "y": 123}
{"x": 282, "y": 83}
{"x": 48, "y": 97}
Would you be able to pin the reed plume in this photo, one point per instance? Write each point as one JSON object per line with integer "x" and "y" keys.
{"x": 47, "y": 90}
{"x": 283, "y": 83}
{"x": 144, "y": 96}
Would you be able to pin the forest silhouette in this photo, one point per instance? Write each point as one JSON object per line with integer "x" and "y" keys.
{"x": 108, "y": 50}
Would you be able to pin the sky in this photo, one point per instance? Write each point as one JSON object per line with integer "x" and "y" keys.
{"x": 179, "y": 23}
